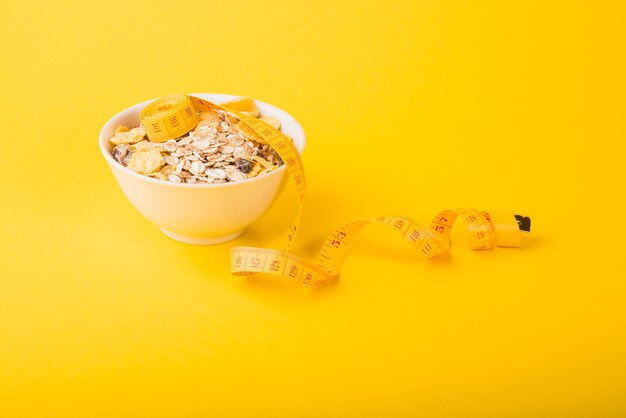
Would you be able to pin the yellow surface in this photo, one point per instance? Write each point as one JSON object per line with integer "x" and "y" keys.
{"x": 103, "y": 316}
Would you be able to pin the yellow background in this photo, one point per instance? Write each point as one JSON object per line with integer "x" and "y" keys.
{"x": 409, "y": 107}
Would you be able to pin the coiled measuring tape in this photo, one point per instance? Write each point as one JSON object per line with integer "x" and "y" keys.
{"x": 175, "y": 115}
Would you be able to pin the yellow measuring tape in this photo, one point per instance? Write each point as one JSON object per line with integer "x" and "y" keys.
{"x": 175, "y": 115}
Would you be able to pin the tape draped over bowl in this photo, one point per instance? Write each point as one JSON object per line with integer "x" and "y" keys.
{"x": 169, "y": 117}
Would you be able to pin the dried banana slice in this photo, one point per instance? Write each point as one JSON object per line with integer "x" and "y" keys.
{"x": 145, "y": 162}
{"x": 244, "y": 105}
{"x": 128, "y": 137}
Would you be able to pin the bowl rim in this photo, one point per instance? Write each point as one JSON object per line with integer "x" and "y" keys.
{"x": 102, "y": 141}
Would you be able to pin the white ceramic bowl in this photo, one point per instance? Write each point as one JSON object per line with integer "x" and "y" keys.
{"x": 202, "y": 214}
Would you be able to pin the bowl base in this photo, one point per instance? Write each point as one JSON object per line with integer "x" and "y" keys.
{"x": 202, "y": 241}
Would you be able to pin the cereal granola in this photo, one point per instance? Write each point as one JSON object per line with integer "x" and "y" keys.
{"x": 219, "y": 149}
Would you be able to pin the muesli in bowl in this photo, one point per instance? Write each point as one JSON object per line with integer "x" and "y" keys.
{"x": 219, "y": 149}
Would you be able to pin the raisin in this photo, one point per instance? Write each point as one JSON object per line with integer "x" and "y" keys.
{"x": 245, "y": 166}
{"x": 121, "y": 153}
